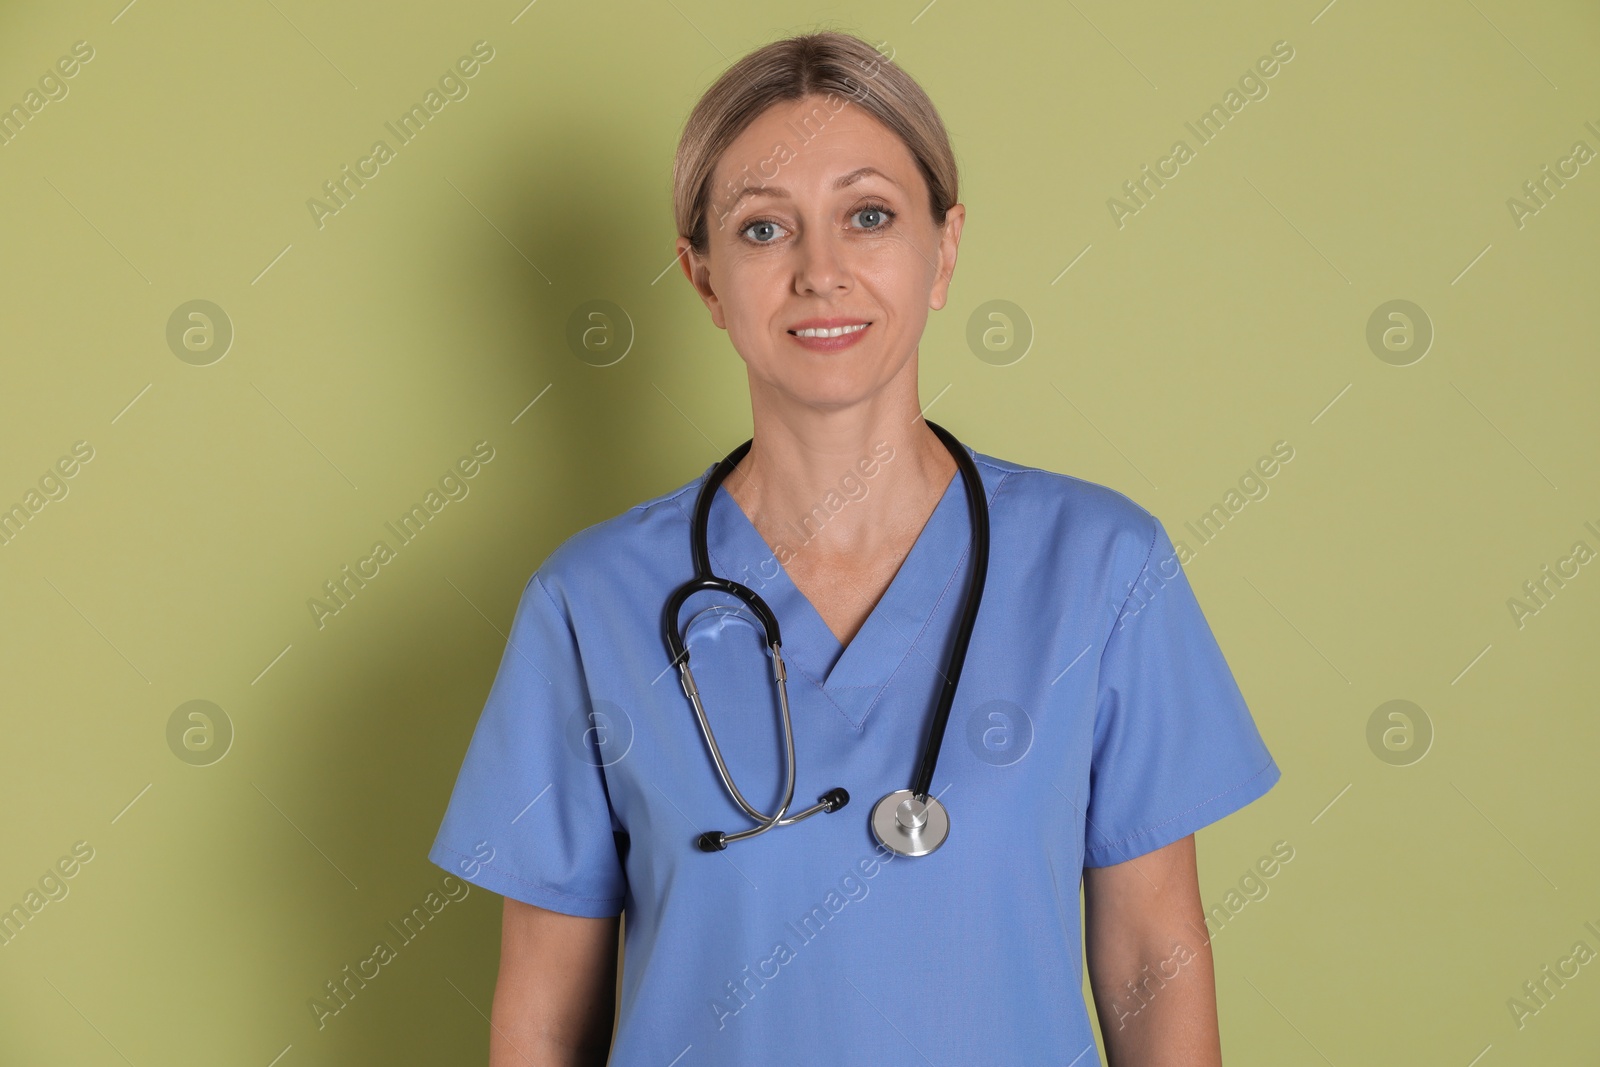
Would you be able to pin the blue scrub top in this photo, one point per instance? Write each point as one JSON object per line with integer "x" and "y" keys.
{"x": 1095, "y": 720}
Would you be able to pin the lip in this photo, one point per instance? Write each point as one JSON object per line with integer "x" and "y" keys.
{"x": 830, "y": 344}
{"x": 827, "y": 324}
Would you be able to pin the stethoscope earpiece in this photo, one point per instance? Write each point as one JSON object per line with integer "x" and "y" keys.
{"x": 907, "y": 821}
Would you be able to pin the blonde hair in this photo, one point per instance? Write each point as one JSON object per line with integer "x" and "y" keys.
{"x": 825, "y": 63}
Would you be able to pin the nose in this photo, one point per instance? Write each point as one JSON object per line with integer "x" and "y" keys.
{"x": 822, "y": 265}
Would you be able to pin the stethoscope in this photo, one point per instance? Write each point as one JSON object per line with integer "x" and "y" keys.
{"x": 906, "y": 821}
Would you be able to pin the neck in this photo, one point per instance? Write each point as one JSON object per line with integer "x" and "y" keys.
{"x": 835, "y": 484}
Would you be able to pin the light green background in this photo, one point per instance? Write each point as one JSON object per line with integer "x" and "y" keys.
{"x": 1230, "y": 313}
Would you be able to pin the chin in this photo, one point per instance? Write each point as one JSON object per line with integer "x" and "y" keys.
{"x": 829, "y": 390}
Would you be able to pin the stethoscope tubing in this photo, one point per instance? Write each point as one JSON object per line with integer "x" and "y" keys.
{"x": 705, "y": 580}
{"x": 978, "y": 513}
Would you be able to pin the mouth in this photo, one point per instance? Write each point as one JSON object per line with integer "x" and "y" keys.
{"x": 830, "y": 331}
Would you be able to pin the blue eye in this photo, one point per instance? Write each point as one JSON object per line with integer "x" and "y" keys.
{"x": 885, "y": 216}
{"x": 881, "y": 210}
{"x": 760, "y": 222}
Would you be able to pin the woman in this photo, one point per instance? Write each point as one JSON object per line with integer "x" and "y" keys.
{"x": 1096, "y": 727}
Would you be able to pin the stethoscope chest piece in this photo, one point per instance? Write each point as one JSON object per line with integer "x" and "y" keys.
{"x": 908, "y": 825}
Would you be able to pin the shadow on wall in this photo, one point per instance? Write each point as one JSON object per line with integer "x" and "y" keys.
{"x": 393, "y": 727}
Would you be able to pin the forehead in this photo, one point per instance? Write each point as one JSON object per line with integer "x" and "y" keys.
{"x": 803, "y": 145}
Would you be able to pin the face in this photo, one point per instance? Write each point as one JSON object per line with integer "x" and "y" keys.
{"x": 835, "y": 228}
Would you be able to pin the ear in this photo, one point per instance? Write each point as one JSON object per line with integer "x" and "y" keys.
{"x": 949, "y": 241}
{"x": 698, "y": 271}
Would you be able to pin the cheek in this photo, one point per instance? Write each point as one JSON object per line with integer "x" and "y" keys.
{"x": 747, "y": 325}
{"x": 752, "y": 296}
{"x": 740, "y": 281}
{"x": 900, "y": 280}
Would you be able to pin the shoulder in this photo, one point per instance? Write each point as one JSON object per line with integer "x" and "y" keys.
{"x": 647, "y": 538}
{"x": 1038, "y": 486}
{"x": 1067, "y": 509}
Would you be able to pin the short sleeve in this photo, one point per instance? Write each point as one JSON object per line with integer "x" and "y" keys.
{"x": 1175, "y": 747}
{"x": 530, "y": 817}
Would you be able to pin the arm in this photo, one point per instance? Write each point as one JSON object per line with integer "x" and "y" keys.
{"x": 1149, "y": 960}
{"x": 555, "y": 999}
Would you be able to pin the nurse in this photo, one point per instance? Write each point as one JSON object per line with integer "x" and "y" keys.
{"x": 1095, "y": 728}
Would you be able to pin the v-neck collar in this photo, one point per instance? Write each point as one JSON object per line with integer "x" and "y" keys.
{"x": 896, "y": 622}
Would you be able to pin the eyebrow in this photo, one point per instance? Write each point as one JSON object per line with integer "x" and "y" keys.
{"x": 776, "y": 191}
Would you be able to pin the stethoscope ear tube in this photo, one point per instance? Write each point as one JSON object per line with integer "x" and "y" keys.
{"x": 716, "y": 840}
{"x": 700, "y": 583}
{"x": 703, "y": 580}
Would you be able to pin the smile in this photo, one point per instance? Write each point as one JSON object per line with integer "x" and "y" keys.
{"x": 837, "y": 331}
